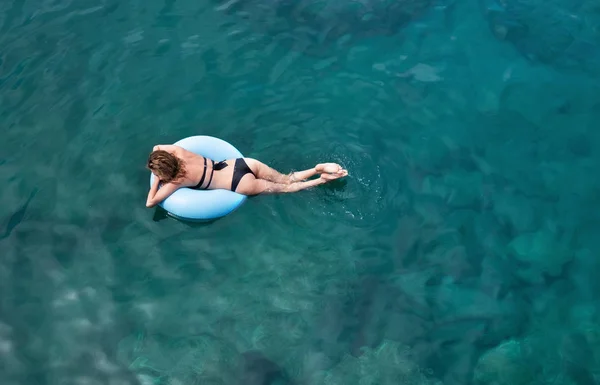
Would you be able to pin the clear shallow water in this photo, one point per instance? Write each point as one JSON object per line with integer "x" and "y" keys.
{"x": 461, "y": 249}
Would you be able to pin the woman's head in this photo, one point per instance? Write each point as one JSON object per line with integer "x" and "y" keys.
{"x": 166, "y": 166}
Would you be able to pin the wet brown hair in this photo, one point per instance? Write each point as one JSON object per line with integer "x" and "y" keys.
{"x": 166, "y": 166}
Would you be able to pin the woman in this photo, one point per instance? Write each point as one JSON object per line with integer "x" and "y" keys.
{"x": 175, "y": 167}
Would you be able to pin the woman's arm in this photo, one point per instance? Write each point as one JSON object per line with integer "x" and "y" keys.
{"x": 165, "y": 147}
{"x": 155, "y": 195}
{"x": 152, "y": 192}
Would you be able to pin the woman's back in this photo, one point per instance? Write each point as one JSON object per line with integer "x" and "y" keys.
{"x": 202, "y": 172}
{"x": 189, "y": 167}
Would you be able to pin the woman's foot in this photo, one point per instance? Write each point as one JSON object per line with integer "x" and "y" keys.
{"x": 330, "y": 177}
{"x": 330, "y": 171}
{"x": 329, "y": 168}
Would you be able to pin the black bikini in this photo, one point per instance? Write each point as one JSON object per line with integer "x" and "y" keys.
{"x": 239, "y": 170}
{"x": 199, "y": 185}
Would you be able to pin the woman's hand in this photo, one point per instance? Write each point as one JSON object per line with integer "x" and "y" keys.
{"x": 155, "y": 196}
{"x": 166, "y": 147}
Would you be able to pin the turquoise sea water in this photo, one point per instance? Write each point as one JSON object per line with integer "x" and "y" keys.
{"x": 461, "y": 249}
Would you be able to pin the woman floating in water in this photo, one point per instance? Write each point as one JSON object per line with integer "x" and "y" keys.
{"x": 175, "y": 167}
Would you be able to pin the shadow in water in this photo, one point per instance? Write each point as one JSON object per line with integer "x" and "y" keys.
{"x": 161, "y": 214}
{"x": 18, "y": 216}
{"x": 259, "y": 370}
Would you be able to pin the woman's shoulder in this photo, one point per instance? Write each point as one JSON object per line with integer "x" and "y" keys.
{"x": 178, "y": 151}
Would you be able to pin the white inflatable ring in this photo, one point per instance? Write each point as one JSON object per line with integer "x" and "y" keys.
{"x": 204, "y": 205}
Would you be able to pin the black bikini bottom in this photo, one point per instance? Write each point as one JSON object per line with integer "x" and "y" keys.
{"x": 239, "y": 170}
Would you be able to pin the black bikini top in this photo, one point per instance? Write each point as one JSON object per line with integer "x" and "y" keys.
{"x": 215, "y": 166}
{"x": 199, "y": 185}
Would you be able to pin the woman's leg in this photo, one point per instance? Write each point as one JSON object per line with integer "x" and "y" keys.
{"x": 332, "y": 171}
{"x": 262, "y": 171}
{"x": 265, "y": 180}
{"x": 255, "y": 186}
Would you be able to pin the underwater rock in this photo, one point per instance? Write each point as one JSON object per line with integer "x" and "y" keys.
{"x": 389, "y": 363}
{"x": 200, "y": 359}
{"x": 491, "y": 235}
{"x": 580, "y": 347}
{"x": 583, "y": 274}
{"x": 541, "y": 254}
{"x": 259, "y": 370}
{"x": 308, "y": 22}
{"x": 465, "y": 189}
{"x": 515, "y": 210}
{"x": 562, "y": 347}
{"x": 423, "y": 73}
{"x": 506, "y": 364}
{"x": 577, "y": 358}
{"x": 17, "y": 217}
{"x": 455, "y": 301}
{"x": 533, "y": 360}
{"x": 560, "y": 33}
